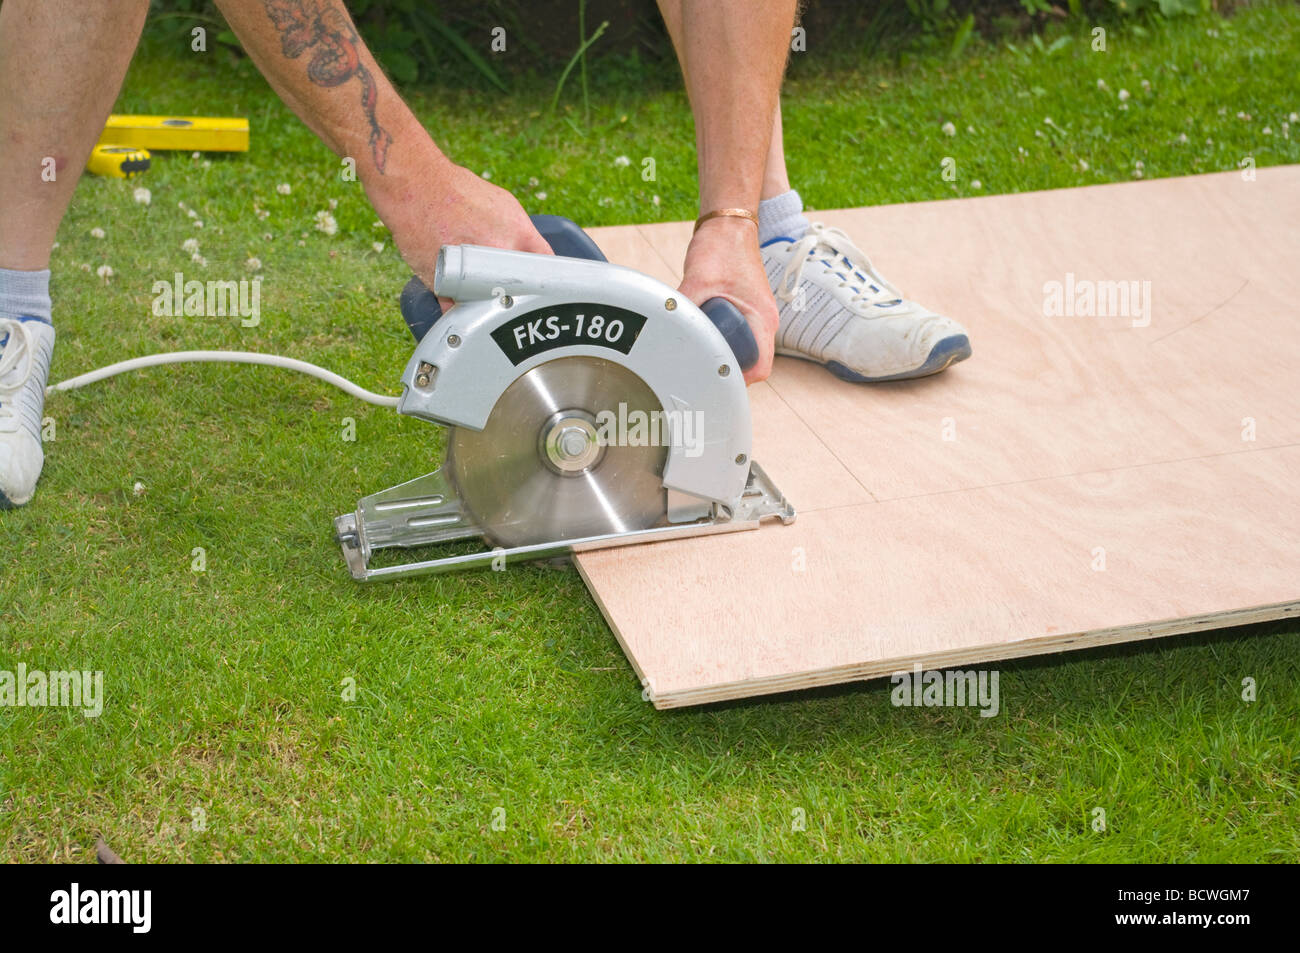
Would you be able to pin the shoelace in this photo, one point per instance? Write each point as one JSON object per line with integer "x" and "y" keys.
{"x": 15, "y": 352}
{"x": 840, "y": 253}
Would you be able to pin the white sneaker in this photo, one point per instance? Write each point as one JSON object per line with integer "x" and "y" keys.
{"x": 837, "y": 310}
{"x": 26, "y": 346}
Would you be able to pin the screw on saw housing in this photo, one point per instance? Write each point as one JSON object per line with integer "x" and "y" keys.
{"x": 551, "y": 372}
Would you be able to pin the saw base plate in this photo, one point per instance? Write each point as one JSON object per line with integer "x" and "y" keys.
{"x": 425, "y": 511}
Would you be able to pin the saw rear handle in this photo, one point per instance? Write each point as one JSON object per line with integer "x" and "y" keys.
{"x": 420, "y": 307}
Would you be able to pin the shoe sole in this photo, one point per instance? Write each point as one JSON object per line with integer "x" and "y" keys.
{"x": 947, "y": 352}
{"x": 8, "y": 503}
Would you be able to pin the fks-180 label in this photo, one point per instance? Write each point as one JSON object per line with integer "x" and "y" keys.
{"x": 567, "y": 325}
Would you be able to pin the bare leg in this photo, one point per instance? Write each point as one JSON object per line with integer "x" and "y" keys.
{"x": 720, "y": 64}
{"x": 61, "y": 66}
{"x": 776, "y": 181}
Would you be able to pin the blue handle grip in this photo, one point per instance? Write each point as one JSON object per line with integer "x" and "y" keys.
{"x": 420, "y": 306}
{"x": 726, "y": 317}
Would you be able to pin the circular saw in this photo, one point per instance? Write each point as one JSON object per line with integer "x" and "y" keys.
{"x": 588, "y": 406}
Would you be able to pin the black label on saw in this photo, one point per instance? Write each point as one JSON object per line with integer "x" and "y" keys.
{"x": 565, "y": 325}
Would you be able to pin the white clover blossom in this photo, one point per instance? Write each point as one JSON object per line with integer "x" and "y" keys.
{"x": 325, "y": 223}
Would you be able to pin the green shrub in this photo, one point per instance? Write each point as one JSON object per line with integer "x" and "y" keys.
{"x": 449, "y": 40}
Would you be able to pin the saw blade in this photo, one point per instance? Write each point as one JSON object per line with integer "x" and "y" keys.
{"x": 543, "y": 468}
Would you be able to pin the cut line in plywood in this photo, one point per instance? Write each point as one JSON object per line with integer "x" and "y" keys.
{"x": 1081, "y": 481}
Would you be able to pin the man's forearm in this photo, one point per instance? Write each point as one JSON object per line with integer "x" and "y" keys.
{"x": 310, "y": 52}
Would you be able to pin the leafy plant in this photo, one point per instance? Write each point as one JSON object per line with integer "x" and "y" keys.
{"x": 962, "y": 36}
{"x": 580, "y": 55}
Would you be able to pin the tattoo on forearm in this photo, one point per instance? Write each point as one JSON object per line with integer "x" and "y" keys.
{"x": 322, "y": 26}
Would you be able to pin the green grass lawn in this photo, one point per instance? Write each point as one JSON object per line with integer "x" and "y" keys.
{"x": 495, "y": 716}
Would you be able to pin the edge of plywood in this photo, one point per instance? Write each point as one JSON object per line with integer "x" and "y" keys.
{"x": 1024, "y": 648}
{"x": 647, "y": 691}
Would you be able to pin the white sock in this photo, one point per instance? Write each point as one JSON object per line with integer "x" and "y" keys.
{"x": 25, "y": 294}
{"x": 781, "y": 217}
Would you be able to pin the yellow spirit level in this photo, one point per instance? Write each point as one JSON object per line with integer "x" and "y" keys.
{"x": 118, "y": 162}
{"x": 196, "y": 133}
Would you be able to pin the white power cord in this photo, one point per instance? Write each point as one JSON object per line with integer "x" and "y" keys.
{"x": 223, "y": 357}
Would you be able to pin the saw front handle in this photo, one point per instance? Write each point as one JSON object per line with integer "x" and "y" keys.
{"x": 420, "y": 308}
{"x": 726, "y": 317}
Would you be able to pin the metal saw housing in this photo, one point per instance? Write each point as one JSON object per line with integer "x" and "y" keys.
{"x": 516, "y": 310}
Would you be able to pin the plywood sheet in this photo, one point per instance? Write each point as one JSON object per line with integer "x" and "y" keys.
{"x": 960, "y": 518}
